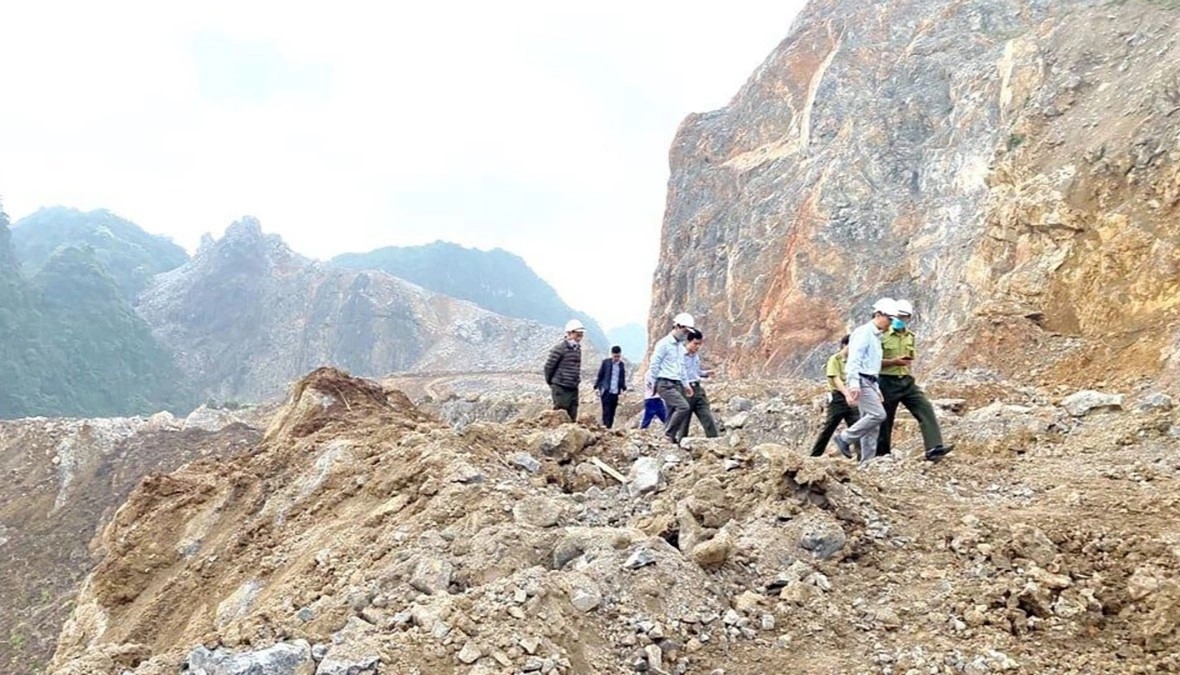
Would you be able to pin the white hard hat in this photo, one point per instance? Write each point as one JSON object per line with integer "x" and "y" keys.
{"x": 684, "y": 319}
{"x": 904, "y": 307}
{"x": 886, "y": 306}
{"x": 574, "y": 326}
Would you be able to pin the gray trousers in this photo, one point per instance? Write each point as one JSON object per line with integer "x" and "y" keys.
{"x": 672, "y": 393}
{"x": 872, "y": 414}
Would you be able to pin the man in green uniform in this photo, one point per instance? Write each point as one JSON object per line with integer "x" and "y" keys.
{"x": 838, "y": 408}
{"x": 898, "y": 386}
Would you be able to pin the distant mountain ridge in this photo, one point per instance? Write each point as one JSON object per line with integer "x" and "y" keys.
{"x": 70, "y": 343}
{"x": 496, "y": 280}
{"x": 247, "y": 315}
{"x": 129, "y": 254}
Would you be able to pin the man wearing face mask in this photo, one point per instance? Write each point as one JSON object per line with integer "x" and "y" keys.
{"x": 667, "y": 376}
{"x": 862, "y": 373}
{"x": 898, "y": 386}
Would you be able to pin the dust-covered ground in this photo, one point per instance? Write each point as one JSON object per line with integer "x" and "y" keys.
{"x": 365, "y": 535}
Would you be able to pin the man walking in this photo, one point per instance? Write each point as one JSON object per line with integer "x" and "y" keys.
{"x": 898, "y": 386}
{"x": 698, "y": 403}
{"x": 666, "y": 374}
{"x": 838, "y": 408}
{"x": 862, "y": 371}
{"x": 563, "y": 369}
{"x": 612, "y": 381}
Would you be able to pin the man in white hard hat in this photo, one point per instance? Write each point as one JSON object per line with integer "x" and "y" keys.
{"x": 898, "y": 386}
{"x": 563, "y": 369}
{"x": 862, "y": 371}
{"x": 667, "y": 375}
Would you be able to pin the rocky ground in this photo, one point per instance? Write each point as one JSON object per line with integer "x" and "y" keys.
{"x": 365, "y": 535}
{"x": 63, "y": 478}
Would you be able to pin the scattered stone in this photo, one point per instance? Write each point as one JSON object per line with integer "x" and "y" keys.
{"x": 1156, "y": 401}
{"x": 533, "y": 664}
{"x": 590, "y": 473}
{"x": 767, "y": 622}
{"x": 470, "y": 653}
{"x": 284, "y": 658}
{"x": 714, "y": 552}
{"x": 747, "y": 602}
{"x": 1084, "y": 402}
{"x": 1142, "y": 584}
{"x": 655, "y": 657}
{"x": 645, "y": 475}
{"x": 737, "y": 421}
{"x": 739, "y": 404}
{"x": 585, "y": 598}
{"x": 954, "y": 405}
{"x": 641, "y": 557}
{"x": 530, "y": 644}
{"x": 432, "y": 576}
{"x": 539, "y": 511}
{"x": 824, "y": 541}
{"x": 731, "y": 618}
{"x": 527, "y": 462}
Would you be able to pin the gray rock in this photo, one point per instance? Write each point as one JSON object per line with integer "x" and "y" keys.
{"x": 319, "y": 651}
{"x": 533, "y": 664}
{"x": 1153, "y": 402}
{"x": 641, "y": 557}
{"x": 333, "y": 665}
{"x": 527, "y": 462}
{"x": 645, "y": 475}
{"x": 737, "y": 421}
{"x": 432, "y": 576}
{"x": 1086, "y": 401}
{"x": 284, "y": 658}
{"x": 585, "y": 597}
{"x": 539, "y": 511}
{"x": 739, "y": 404}
{"x": 470, "y": 653}
{"x": 824, "y": 542}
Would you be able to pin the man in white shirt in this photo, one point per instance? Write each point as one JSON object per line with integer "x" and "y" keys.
{"x": 666, "y": 375}
{"x": 861, "y": 373}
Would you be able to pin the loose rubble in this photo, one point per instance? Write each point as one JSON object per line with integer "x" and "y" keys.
{"x": 363, "y": 535}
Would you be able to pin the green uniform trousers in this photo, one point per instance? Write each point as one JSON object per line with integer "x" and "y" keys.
{"x": 902, "y": 390}
{"x": 698, "y": 404}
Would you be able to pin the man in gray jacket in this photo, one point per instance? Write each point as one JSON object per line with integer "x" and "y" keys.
{"x": 563, "y": 369}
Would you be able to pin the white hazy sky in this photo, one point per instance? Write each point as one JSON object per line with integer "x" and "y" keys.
{"x": 539, "y": 127}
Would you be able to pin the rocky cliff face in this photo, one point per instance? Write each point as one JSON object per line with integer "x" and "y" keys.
{"x": 1013, "y": 167}
{"x": 63, "y": 479}
{"x": 247, "y": 315}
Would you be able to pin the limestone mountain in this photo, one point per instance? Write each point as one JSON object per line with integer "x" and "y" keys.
{"x": 246, "y": 316}
{"x": 496, "y": 280}
{"x": 129, "y": 254}
{"x": 70, "y": 343}
{"x": 1012, "y": 167}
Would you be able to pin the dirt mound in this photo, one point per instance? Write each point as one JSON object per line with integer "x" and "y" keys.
{"x": 363, "y": 536}
{"x": 64, "y": 478}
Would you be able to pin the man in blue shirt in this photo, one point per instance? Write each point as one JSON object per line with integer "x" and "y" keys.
{"x": 612, "y": 381}
{"x": 666, "y": 373}
{"x": 698, "y": 403}
{"x": 861, "y": 375}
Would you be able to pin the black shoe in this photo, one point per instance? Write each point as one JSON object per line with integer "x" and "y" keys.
{"x": 842, "y": 445}
{"x": 938, "y": 452}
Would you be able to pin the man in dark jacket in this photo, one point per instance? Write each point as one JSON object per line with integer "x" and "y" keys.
{"x": 612, "y": 381}
{"x": 563, "y": 369}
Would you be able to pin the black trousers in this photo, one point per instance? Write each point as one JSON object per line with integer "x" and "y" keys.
{"x": 565, "y": 399}
{"x": 838, "y": 410}
{"x": 902, "y": 390}
{"x": 610, "y": 403}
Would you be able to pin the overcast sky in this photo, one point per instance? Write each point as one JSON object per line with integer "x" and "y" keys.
{"x": 539, "y": 127}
